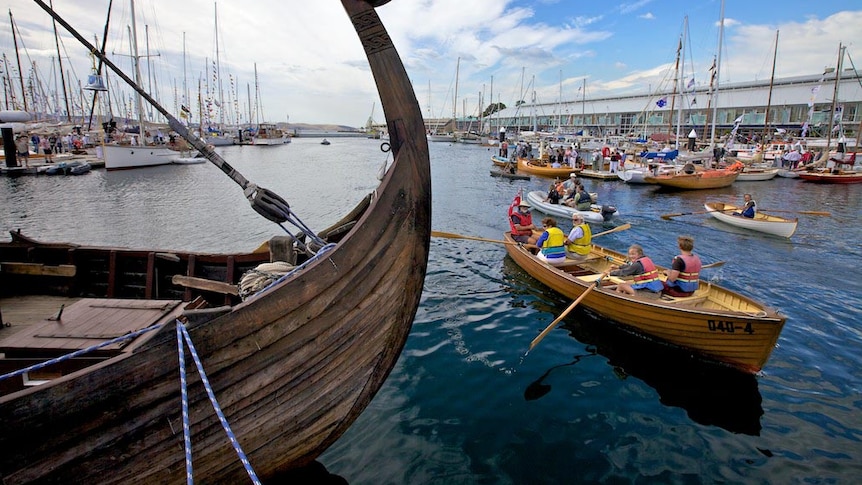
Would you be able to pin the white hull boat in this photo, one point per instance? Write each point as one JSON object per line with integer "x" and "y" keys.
{"x": 123, "y": 157}
{"x": 766, "y": 223}
{"x": 597, "y": 215}
{"x": 757, "y": 174}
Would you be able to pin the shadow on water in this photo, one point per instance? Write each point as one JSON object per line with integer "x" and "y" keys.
{"x": 711, "y": 394}
{"x": 312, "y": 474}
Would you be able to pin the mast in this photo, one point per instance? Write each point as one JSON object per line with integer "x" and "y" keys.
{"x": 18, "y": 58}
{"x": 560, "y": 104}
{"x": 491, "y": 114}
{"x": 835, "y": 96}
{"x": 584, "y": 108}
{"x": 681, "y": 79}
{"x": 717, "y": 75}
{"x": 675, "y": 84}
{"x": 455, "y": 98}
{"x": 60, "y": 61}
{"x": 218, "y": 73}
{"x": 769, "y": 98}
{"x": 136, "y": 60}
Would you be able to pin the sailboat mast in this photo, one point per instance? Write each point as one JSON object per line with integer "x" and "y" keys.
{"x": 681, "y": 80}
{"x": 218, "y": 72}
{"x": 60, "y": 61}
{"x": 18, "y": 58}
{"x": 717, "y": 75}
{"x": 137, "y": 62}
{"x": 835, "y": 95}
{"x": 769, "y": 98}
{"x": 455, "y": 98}
{"x": 560, "y": 104}
{"x": 675, "y": 85}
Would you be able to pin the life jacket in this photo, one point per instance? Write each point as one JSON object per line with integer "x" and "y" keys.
{"x": 606, "y": 152}
{"x": 649, "y": 278}
{"x": 751, "y": 211}
{"x": 553, "y": 245}
{"x": 689, "y": 278}
{"x": 523, "y": 220}
{"x": 582, "y": 244}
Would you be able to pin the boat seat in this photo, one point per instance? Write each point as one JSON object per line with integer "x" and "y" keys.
{"x": 36, "y": 269}
{"x": 608, "y": 280}
{"x": 685, "y": 300}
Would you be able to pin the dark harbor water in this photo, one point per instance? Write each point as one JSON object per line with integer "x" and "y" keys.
{"x": 590, "y": 403}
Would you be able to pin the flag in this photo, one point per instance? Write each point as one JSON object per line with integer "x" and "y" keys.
{"x": 805, "y": 129}
{"x": 690, "y": 84}
{"x": 662, "y": 102}
{"x": 186, "y": 109}
{"x": 694, "y": 102}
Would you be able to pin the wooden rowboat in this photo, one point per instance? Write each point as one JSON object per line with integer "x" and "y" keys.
{"x": 761, "y": 222}
{"x": 716, "y": 323}
{"x": 830, "y": 177}
{"x": 707, "y": 179}
{"x": 532, "y": 167}
{"x": 291, "y": 367}
{"x": 757, "y": 174}
{"x": 511, "y": 176}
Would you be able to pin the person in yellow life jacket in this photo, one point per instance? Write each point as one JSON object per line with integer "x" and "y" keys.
{"x": 644, "y": 272}
{"x": 683, "y": 279}
{"x": 578, "y": 242}
{"x": 551, "y": 243}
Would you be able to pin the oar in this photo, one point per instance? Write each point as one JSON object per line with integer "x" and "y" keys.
{"x": 565, "y": 312}
{"x": 616, "y": 229}
{"x": 713, "y": 265}
{"x": 451, "y": 235}
{"x": 812, "y": 213}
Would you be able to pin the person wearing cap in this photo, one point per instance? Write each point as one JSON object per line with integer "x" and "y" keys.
{"x": 551, "y": 243}
{"x": 579, "y": 241}
{"x": 570, "y": 184}
{"x": 521, "y": 224}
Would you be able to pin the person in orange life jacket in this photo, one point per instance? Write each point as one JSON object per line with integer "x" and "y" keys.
{"x": 683, "y": 279}
{"x": 551, "y": 243}
{"x": 578, "y": 242}
{"x": 749, "y": 209}
{"x": 642, "y": 269}
{"x": 521, "y": 224}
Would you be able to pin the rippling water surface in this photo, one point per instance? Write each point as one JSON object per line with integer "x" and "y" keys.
{"x": 590, "y": 403}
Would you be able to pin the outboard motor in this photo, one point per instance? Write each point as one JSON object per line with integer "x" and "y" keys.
{"x": 608, "y": 212}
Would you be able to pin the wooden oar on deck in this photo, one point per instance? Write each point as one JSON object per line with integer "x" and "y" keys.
{"x": 811, "y": 213}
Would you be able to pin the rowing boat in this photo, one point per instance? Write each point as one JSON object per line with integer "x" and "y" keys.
{"x": 291, "y": 367}
{"x": 534, "y": 168}
{"x": 749, "y": 174}
{"x": 596, "y": 215}
{"x": 761, "y": 222}
{"x": 707, "y": 179}
{"x": 832, "y": 176}
{"x": 508, "y": 175}
{"x": 716, "y": 323}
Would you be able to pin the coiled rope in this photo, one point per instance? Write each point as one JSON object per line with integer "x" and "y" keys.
{"x": 262, "y": 276}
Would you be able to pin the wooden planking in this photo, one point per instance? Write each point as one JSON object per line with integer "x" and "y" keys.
{"x": 37, "y": 269}
{"x": 87, "y": 322}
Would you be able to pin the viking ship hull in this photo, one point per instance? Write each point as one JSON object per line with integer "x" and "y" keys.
{"x": 292, "y": 367}
{"x": 716, "y": 323}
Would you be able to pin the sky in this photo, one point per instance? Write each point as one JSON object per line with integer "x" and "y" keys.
{"x": 311, "y": 67}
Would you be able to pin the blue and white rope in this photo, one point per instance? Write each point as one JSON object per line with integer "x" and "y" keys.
{"x": 187, "y": 432}
{"x": 78, "y": 353}
{"x": 236, "y": 446}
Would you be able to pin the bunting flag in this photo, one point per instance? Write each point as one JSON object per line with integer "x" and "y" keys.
{"x": 662, "y": 102}
{"x": 690, "y": 85}
{"x": 805, "y": 129}
{"x": 732, "y": 137}
{"x": 815, "y": 90}
{"x": 694, "y": 102}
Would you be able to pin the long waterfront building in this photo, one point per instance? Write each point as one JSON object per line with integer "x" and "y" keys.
{"x": 793, "y": 102}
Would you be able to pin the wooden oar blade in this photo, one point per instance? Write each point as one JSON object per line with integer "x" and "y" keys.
{"x": 816, "y": 213}
{"x": 713, "y": 265}
{"x": 668, "y": 217}
{"x": 623, "y": 227}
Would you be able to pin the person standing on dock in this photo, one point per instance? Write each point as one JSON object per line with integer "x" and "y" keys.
{"x": 22, "y": 146}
